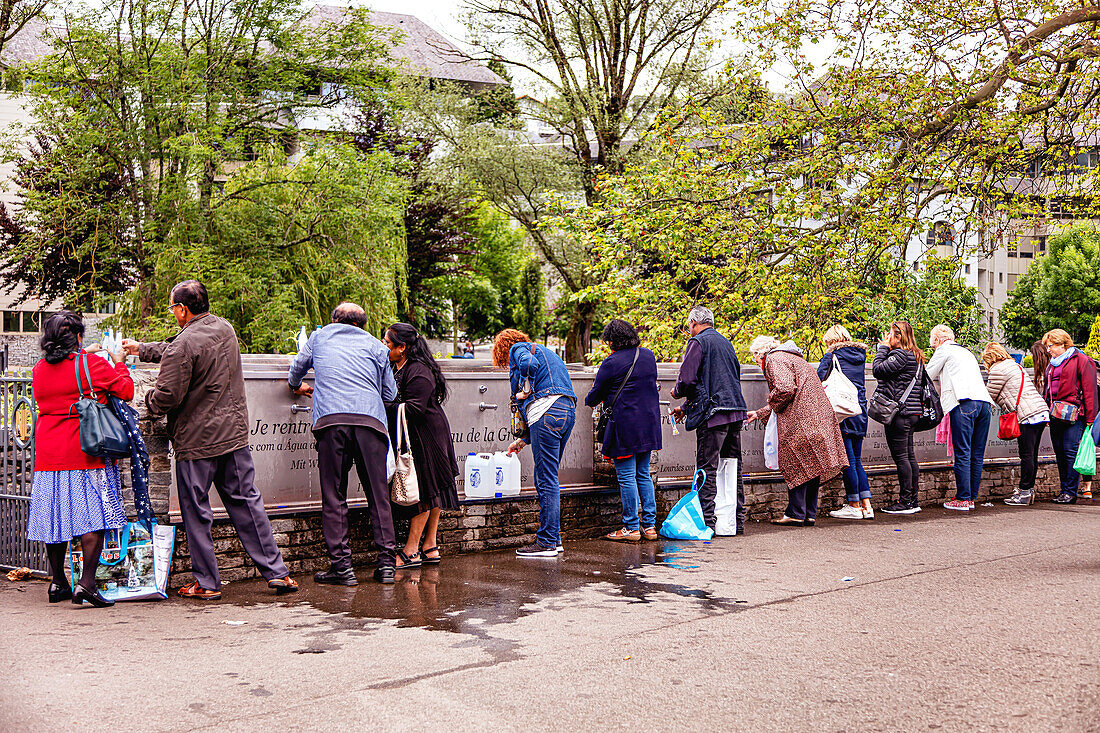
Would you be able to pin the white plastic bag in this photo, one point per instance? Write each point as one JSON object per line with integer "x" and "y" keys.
{"x": 725, "y": 501}
{"x": 771, "y": 444}
{"x": 842, "y": 394}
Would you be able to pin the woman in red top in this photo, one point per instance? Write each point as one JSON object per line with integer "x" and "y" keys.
{"x": 74, "y": 494}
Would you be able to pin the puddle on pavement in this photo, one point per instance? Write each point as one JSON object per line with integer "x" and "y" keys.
{"x": 468, "y": 593}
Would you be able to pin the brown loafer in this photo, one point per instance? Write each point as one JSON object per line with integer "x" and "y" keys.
{"x": 624, "y": 535}
{"x": 649, "y": 533}
{"x": 283, "y": 585}
{"x": 194, "y": 590}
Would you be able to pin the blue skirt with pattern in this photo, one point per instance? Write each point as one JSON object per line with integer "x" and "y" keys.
{"x": 67, "y": 504}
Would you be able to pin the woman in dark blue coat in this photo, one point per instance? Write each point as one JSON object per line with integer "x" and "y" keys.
{"x": 633, "y": 428}
{"x": 852, "y": 358}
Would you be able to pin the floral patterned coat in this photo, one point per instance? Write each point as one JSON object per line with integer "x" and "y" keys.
{"x": 810, "y": 444}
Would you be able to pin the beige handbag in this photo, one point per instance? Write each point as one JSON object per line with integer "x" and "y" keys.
{"x": 403, "y": 485}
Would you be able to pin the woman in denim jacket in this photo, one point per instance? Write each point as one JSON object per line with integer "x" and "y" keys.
{"x": 544, "y": 393}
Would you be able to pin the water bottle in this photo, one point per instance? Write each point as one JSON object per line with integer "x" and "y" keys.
{"x": 479, "y": 479}
{"x": 506, "y": 477}
{"x": 303, "y": 339}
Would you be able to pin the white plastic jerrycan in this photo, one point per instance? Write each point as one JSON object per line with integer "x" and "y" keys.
{"x": 505, "y": 474}
{"x": 479, "y": 476}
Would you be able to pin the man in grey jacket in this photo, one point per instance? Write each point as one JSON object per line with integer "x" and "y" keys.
{"x": 201, "y": 389}
{"x": 352, "y": 383}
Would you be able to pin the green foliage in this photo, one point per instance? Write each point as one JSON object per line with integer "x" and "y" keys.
{"x": 1029, "y": 361}
{"x": 288, "y": 242}
{"x": 932, "y": 296}
{"x": 1092, "y": 348}
{"x": 159, "y": 101}
{"x": 1060, "y": 290}
{"x": 494, "y": 287}
{"x": 530, "y": 312}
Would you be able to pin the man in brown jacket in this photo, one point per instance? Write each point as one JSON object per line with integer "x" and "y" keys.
{"x": 201, "y": 390}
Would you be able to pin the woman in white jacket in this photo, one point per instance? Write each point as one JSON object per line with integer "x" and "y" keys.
{"x": 1013, "y": 392}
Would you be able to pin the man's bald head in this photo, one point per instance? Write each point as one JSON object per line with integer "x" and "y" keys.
{"x": 350, "y": 314}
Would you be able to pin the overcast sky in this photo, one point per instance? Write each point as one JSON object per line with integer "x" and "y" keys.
{"x": 443, "y": 15}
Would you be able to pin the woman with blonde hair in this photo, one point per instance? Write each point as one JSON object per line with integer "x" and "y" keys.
{"x": 850, "y": 356}
{"x": 1012, "y": 391}
{"x": 544, "y": 395}
{"x": 1071, "y": 393}
{"x": 898, "y": 366}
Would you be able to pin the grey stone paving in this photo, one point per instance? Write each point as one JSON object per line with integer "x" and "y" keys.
{"x": 956, "y": 622}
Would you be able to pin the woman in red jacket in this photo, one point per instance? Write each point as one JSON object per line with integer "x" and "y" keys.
{"x": 73, "y": 494}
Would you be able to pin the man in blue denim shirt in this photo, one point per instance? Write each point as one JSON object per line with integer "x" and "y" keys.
{"x": 352, "y": 382}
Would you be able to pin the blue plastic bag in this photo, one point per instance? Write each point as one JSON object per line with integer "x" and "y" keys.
{"x": 685, "y": 521}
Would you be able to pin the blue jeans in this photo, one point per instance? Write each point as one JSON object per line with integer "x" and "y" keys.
{"x": 549, "y": 435}
{"x": 969, "y": 433}
{"x": 856, "y": 485}
{"x": 1066, "y": 437}
{"x": 634, "y": 481}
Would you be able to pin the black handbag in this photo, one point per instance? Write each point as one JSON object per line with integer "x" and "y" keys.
{"x": 884, "y": 409}
{"x": 102, "y": 434}
{"x": 606, "y": 411}
{"x": 931, "y": 411}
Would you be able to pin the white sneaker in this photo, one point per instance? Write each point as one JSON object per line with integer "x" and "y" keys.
{"x": 560, "y": 549}
{"x": 868, "y": 513}
{"x": 847, "y": 512}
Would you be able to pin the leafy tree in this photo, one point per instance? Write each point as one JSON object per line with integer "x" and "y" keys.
{"x": 62, "y": 239}
{"x": 163, "y": 97}
{"x": 925, "y": 299}
{"x": 530, "y": 313}
{"x": 289, "y": 241}
{"x": 1059, "y": 290}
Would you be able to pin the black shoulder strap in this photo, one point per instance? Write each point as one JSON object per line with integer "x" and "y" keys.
{"x": 626, "y": 379}
{"x": 909, "y": 390}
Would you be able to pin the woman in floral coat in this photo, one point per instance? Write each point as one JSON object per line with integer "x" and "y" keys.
{"x": 811, "y": 449}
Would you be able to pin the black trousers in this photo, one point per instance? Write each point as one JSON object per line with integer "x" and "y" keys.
{"x": 899, "y": 436}
{"x": 338, "y": 447}
{"x": 802, "y": 500}
{"x": 711, "y": 444}
{"x": 1028, "y": 444}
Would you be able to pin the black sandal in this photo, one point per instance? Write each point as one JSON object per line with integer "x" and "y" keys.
{"x": 431, "y": 560}
{"x": 409, "y": 561}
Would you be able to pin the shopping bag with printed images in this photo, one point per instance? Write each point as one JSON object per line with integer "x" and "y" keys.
{"x": 134, "y": 564}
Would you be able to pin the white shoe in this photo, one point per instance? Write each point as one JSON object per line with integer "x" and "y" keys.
{"x": 847, "y": 512}
{"x": 868, "y": 513}
{"x": 560, "y": 549}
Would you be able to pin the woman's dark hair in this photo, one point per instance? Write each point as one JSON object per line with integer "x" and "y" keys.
{"x": 59, "y": 336}
{"x": 1040, "y": 360}
{"x": 417, "y": 349}
{"x": 618, "y": 334}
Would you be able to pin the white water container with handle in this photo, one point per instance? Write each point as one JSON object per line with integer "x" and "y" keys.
{"x": 505, "y": 474}
{"x": 479, "y": 476}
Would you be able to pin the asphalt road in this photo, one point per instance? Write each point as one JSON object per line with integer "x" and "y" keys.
{"x": 985, "y": 621}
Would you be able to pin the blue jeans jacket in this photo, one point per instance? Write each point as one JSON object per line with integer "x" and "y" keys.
{"x": 543, "y": 368}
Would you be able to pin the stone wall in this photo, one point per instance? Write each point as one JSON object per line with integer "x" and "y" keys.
{"x": 491, "y": 524}
{"x": 504, "y": 523}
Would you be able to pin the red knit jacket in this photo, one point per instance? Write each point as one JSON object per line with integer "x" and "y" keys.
{"x": 57, "y": 434}
{"x": 1076, "y": 384}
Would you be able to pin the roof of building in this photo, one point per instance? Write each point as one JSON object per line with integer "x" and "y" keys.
{"x": 425, "y": 50}
{"x": 27, "y": 45}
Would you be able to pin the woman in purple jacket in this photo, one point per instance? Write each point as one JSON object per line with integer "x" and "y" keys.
{"x": 634, "y": 427}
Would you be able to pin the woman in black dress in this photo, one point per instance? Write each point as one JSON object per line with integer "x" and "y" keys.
{"x": 423, "y": 389}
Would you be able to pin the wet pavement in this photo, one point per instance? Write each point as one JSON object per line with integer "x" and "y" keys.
{"x": 939, "y": 621}
{"x": 468, "y": 593}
